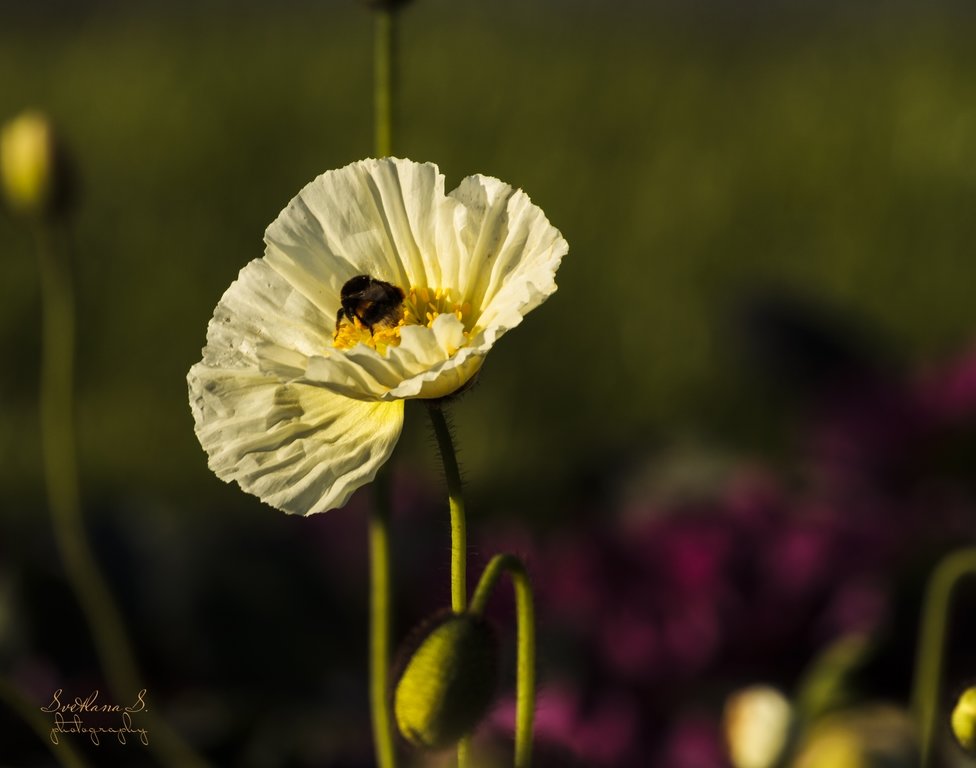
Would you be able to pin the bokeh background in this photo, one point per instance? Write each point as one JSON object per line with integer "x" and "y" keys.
{"x": 742, "y": 428}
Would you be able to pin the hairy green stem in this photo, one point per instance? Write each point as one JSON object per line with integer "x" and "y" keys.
{"x": 931, "y": 651}
{"x": 61, "y": 476}
{"x": 459, "y": 545}
{"x": 459, "y": 540}
{"x": 525, "y": 660}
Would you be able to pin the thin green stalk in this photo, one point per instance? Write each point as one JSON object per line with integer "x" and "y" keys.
{"x": 525, "y": 642}
{"x": 385, "y": 79}
{"x": 459, "y": 536}
{"x": 931, "y": 651}
{"x": 379, "y": 619}
{"x": 61, "y": 476}
{"x": 64, "y": 751}
{"x": 379, "y": 521}
{"x": 464, "y": 752}
{"x": 459, "y": 546}
{"x": 61, "y": 471}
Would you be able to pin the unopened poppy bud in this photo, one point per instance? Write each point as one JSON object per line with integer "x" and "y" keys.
{"x": 871, "y": 736}
{"x": 449, "y": 682}
{"x": 757, "y": 722}
{"x": 964, "y": 720}
{"x": 33, "y": 170}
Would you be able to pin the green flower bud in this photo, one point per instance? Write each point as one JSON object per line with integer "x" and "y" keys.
{"x": 33, "y": 172}
{"x": 448, "y": 683}
{"x": 872, "y": 736}
{"x": 964, "y": 720}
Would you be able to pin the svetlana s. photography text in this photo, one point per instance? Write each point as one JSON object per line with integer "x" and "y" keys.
{"x": 96, "y": 719}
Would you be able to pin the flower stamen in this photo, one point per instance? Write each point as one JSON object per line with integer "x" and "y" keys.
{"x": 421, "y": 306}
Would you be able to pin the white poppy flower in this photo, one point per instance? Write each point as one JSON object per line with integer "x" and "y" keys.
{"x": 299, "y": 396}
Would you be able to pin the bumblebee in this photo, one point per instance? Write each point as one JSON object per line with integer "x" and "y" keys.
{"x": 370, "y": 301}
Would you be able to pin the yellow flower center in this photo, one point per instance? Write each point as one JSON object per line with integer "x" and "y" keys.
{"x": 421, "y": 306}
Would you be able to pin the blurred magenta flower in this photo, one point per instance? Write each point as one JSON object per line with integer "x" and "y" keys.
{"x": 658, "y": 605}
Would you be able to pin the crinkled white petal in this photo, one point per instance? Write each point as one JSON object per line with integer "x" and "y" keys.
{"x": 509, "y": 253}
{"x": 262, "y": 322}
{"x": 298, "y": 447}
{"x": 384, "y": 218}
{"x": 485, "y": 242}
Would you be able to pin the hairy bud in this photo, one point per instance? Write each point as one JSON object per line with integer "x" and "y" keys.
{"x": 448, "y": 683}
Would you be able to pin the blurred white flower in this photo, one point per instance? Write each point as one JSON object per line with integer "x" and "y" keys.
{"x": 757, "y": 724}
{"x": 375, "y": 287}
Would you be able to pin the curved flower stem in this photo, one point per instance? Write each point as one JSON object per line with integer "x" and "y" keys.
{"x": 525, "y": 663}
{"x": 930, "y": 655}
{"x": 61, "y": 476}
{"x": 64, "y": 751}
{"x": 61, "y": 471}
{"x": 379, "y": 521}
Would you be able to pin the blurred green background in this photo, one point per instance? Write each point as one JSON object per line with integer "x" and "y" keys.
{"x": 687, "y": 152}
{"x": 692, "y": 154}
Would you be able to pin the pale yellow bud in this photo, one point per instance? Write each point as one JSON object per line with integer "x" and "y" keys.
{"x": 32, "y": 172}
{"x": 757, "y": 725}
{"x": 964, "y": 720}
